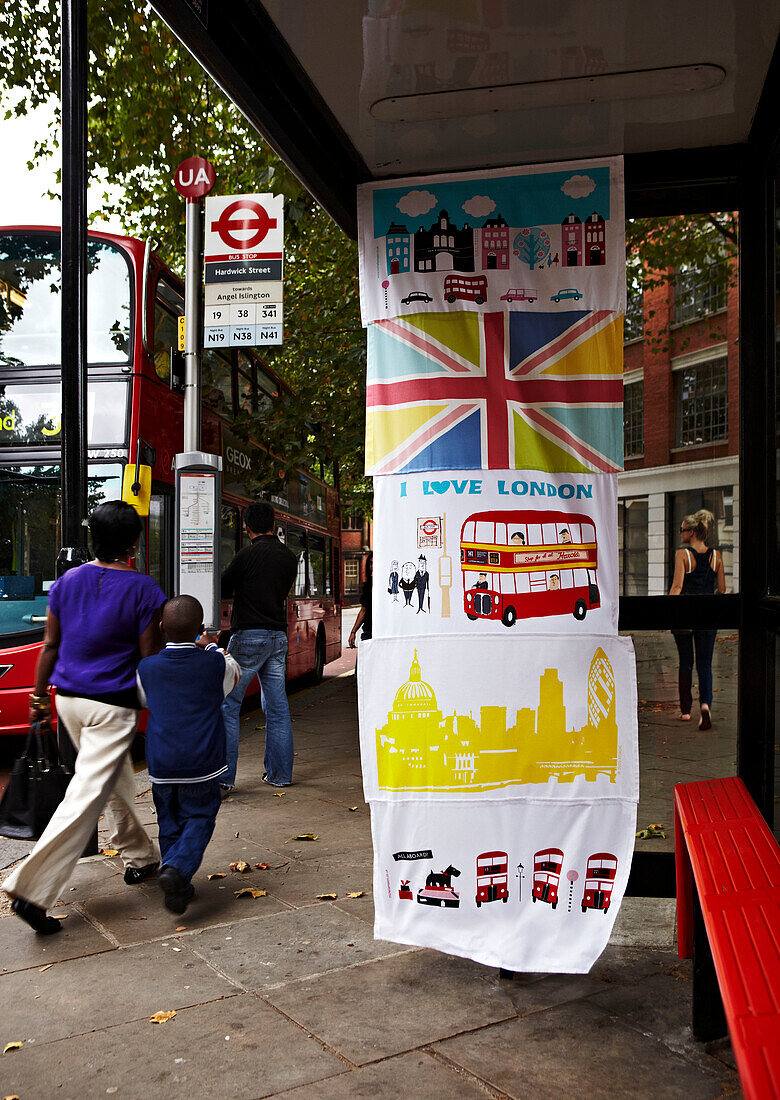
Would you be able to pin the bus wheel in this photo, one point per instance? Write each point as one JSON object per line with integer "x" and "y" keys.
{"x": 505, "y": 900}
{"x": 555, "y": 905}
{"x": 479, "y": 299}
{"x": 319, "y": 659}
{"x": 479, "y": 905}
{"x": 584, "y": 908}
{"x": 580, "y": 610}
{"x": 533, "y": 899}
{"x": 472, "y": 617}
{"x": 509, "y": 618}
{"x": 450, "y": 297}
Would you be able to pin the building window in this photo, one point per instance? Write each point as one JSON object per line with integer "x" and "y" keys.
{"x": 632, "y": 546}
{"x": 634, "y": 419}
{"x": 634, "y": 324}
{"x": 352, "y": 521}
{"x": 351, "y": 575}
{"x": 700, "y": 293}
{"x": 720, "y": 501}
{"x": 701, "y": 404}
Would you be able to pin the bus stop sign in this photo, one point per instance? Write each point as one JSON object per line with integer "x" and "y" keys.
{"x": 194, "y": 178}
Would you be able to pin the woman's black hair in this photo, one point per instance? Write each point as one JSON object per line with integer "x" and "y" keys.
{"x": 113, "y": 528}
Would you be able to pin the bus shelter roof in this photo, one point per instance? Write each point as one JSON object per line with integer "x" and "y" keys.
{"x": 350, "y": 92}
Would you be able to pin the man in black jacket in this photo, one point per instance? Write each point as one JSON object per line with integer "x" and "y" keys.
{"x": 259, "y": 579}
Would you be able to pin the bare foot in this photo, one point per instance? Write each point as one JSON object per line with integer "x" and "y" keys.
{"x": 685, "y": 717}
{"x": 705, "y": 722}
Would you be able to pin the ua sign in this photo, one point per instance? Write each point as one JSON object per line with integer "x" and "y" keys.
{"x": 194, "y": 178}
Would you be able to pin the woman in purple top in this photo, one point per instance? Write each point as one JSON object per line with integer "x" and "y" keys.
{"x": 102, "y": 618}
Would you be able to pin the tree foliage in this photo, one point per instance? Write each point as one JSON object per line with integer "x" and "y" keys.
{"x": 150, "y": 106}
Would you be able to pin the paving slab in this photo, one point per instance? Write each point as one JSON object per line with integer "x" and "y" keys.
{"x": 395, "y": 1004}
{"x": 238, "y": 1047}
{"x": 299, "y": 881}
{"x": 21, "y": 949}
{"x": 139, "y": 915}
{"x": 628, "y": 965}
{"x": 102, "y": 990}
{"x": 645, "y": 922}
{"x": 534, "y": 993}
{"x": 290, "y": 946}
{"x": 408, "y": 1075}
{"x": 577, "y": 1048}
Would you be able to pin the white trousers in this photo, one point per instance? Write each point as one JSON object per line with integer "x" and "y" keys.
{"x": 103, "y": 777}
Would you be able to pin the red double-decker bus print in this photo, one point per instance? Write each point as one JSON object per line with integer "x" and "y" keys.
{"x": 527, "y": 564}
{"x": 599, "y": 881}
{"x": 492, "y": 877}
{"x": 547, "y": 873}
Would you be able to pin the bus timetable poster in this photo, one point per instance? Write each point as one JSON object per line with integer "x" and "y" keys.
{"x": 503, "y": 779}
{"x": 506, "y": 552}
{"x": 530, "y": 239}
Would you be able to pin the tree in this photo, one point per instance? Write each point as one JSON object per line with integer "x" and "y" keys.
{"x": 532, "y": 246}
{"x": 150, "y": 106}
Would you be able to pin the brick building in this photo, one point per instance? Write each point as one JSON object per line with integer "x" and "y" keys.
{"x": 681, "y": 428}
{"x": 356, "y": 541}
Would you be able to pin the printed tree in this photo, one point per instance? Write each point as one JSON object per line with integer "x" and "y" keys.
{"x": 532, "y": 246}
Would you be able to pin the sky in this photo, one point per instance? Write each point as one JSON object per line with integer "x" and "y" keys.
{"x": 22, "y": 191}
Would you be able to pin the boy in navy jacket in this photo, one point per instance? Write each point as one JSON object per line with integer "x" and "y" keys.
{"x": 183, "y": 686}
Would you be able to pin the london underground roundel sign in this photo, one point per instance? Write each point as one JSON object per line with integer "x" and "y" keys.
{"x": 194, "y": 178}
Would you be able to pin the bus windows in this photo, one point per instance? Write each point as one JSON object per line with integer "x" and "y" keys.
{"x": 296, "y": 540}
{"x": 30, "y": 302}
{"x": 168, "y": 307}
{"x": 534, "y": 535}
{"x": 228, "y": 535}
{"x": 217, "y": 381}
{"x": 485, "y": 532}
{"x": 501, "y": 534}
{"x": 316, "y": 565}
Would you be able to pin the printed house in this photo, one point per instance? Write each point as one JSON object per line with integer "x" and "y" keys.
{"x": 495, "y": 244}
{"x": 398, "y": 243}
{"x": 571, "y": 241}
{"x": 444, "y": 247}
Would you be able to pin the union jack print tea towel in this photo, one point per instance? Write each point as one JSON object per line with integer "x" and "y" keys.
{"x": 496, "y": 391}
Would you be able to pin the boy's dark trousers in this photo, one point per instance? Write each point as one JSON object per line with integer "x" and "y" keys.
{"x": 186, "y": 814}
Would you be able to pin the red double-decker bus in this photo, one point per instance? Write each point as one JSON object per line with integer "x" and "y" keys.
{"x": 523, "y": 564}
{"x": 134, "y": 411}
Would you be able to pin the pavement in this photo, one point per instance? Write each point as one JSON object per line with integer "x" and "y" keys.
{"x": 288, "y": 993}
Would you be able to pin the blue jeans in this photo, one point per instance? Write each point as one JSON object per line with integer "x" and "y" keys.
{"x": 186, "y": 814}
{"x": 262, "y": 653}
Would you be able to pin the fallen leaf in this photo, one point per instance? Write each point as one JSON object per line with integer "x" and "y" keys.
{"x": 42, "y": 968}
{"x": 138, "y": 918}
{"x": 327, "y": 897}
{"x": 60, "y": 916}
{"x": 217, "y": 874}
{"x": 305, "y": 836}
{"x": 14, "y": 1097}
{"x": 279, "y": 794}
{"x": 357, "y": 894}
{"x": 262, "y": 866}
{"x": 241, "y": 866}
{"x": 161, "y": 1017}
{"x": 110, "y": 852}
{"x": 235, "y": 835}
{"x": 352, "y": 809}
{"x": 250, "y": 892}
{"x": 16, "y": 1045}
{"x": 181, "y": 928}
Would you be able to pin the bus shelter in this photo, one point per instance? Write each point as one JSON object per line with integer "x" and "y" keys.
{"x": 350, "y": 93}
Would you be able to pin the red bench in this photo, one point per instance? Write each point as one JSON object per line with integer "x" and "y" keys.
{"x": 723, "y": 844}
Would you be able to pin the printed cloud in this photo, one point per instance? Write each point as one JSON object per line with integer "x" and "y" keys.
{"x": 577, "y": 187}
{"x": 415, "y": 203}
{"x": 479, "y": 206}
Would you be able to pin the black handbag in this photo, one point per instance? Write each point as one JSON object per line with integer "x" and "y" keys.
{"x": 36, "y": 786}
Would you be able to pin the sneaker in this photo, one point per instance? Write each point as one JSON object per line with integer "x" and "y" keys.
{"x": 226, "y": 789}
{"x": 134, "y": 875}
{"x": 265, "y": 779}
{"x": 35, "y": 917}
{"x": 177, "y": 891}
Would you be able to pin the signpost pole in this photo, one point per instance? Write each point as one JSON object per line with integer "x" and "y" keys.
{"x": 73, "y": 48}
{"x": 192, "y": 325}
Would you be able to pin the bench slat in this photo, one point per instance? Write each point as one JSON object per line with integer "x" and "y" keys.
{"x": 724, "y": 843}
